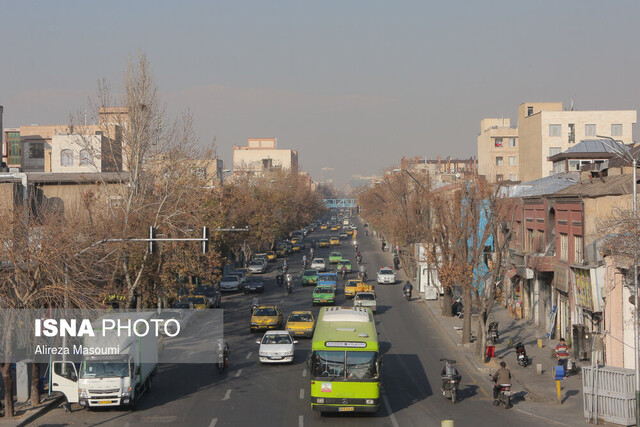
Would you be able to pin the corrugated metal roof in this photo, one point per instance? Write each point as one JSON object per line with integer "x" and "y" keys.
{"x": 591, "y": 146}
{"x": 610, "y": 186}
{"x": 545, "y": 186}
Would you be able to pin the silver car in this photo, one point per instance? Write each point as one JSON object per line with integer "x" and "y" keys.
{"x": 365, "y": 299}
{"x": 258, "y": 266}
{"x": 318, "y": 264}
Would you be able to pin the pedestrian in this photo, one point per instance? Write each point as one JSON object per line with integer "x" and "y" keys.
{"x": 396, "y": 262}
{"x": 384, "y": 245}
{"x": 562, "y": 354}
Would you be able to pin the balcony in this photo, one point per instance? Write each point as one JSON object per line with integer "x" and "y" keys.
{"x": 541, "y": 263}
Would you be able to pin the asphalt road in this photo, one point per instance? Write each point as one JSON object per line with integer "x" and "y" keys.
{"x": 250, "y": 394}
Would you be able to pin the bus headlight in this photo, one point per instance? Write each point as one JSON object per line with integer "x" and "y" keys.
{"x": 320, "y": 400}
{"x": 369, "y": 401}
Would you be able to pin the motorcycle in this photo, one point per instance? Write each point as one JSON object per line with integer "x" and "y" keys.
{"x": 407, "y": 294}
{"x": 363, "y": 276}
{"x": 255, "y": 303}
{"x": 521, "y": 355}
{"x": 343, "y": 273}
{"x": 304, "y": 264}
{"x": 289, "y": 284}
{"x": 456, "y": 307}
{"x": 493, "y": 335}
{"x": 504, "y": 395}
{"x": 223, "y": 356}
{"x": 359, "y": 259}
{"x": 451, "y": 380}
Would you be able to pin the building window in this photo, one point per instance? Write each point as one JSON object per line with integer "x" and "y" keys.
{"x": 579, "y": 251}
{"x": 498, "y": 142}
{"x": 513, "y": 161}
{"x": 574, "y": 165}
{"x": 529, "y": 241}
{"x": 36, "y": 150}
{"x": 564, "y": 247}
{"x": 13, "y": 148}
{"x": 499, "y": 161}
{"x": 499, "y": 177}
{"x": 572, "y": 133}
{"x": 512, "y": 142}
{"x": 616, "y": 130}
{"x": 590, "y": 130}
{"x": 529, "y": 111}
{"x": 66, "y": 158}
{"x": 513, "y": 177}
{"x": 554, "y": 150}
{"x": 555, "y": 130}
{"x": 85, "y": 158}
{"x": 539, "y": 241}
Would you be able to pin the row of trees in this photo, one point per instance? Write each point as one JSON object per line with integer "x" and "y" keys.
{"x": 82, "y": 256}
{"x": 464, "y": 228}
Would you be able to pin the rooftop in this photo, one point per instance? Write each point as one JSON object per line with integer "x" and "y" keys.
{"x": 608, "y": 186}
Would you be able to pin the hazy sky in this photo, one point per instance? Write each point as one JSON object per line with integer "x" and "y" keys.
{"x": 352, "y": 85}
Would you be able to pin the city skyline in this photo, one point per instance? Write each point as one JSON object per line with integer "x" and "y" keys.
{"x": 352, "y": 87}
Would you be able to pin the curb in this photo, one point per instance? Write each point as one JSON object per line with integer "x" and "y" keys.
{"x": 41, "y": 411}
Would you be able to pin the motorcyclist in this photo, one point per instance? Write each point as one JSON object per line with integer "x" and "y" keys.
{"x": 408, "y": 287}
{"x": 384, "y": 245}
{"x": 285, "y": 266}
{"x": 279, "y": 277}
{"x": 289, "y": 283}
{"x": 358, "y": 257}
{"x": 448, "y": 371}
{"x": 311, "y": 253}
{"x": 304, "y": 261}
{"x": 355, "y": 246}
{"x": 343, "y": 271}
{"x": 223, "y": 352}
{"x": 502, "y": 376}
{"x": 363, "y": 273}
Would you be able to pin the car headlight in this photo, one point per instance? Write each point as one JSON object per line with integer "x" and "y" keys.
{"x": 254, "y": 323}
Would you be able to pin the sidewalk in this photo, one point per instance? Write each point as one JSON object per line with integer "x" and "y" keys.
{"x": 25, "y": 413}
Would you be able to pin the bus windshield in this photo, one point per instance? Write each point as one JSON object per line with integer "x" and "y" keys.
{"x": 345, "y": 365}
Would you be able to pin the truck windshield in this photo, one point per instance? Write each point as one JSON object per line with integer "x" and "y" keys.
{"x": 96, "y": 369}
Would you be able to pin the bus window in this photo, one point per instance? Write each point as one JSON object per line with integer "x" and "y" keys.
{"x": 362, "y": 365}
{"x": 328, "y": 364}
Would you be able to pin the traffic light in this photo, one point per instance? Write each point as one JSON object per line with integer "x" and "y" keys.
{"x": 205, "y": 243}
{"x": 153, "y": 246}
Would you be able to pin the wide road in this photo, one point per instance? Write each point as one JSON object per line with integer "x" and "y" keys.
{"x": 250, "y": 394}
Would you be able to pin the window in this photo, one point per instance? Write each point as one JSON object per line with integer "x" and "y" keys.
{"x": 513, "y": 161}
{"x": 529, "y": 241}
{"x": 564, "y": 247}
{"x": 66, "y": 158}
{"x": 499, "y": 177}
{"x": 529, "y": 111}
{"x": 513, "y": 177}
{"x": 512, "y": 142}
{"x": 590, "y": 130}
{"x": 13, "y": 147}
{"x": 539, "y": 241}
{"x": 36, "y": 150}
{"x": 616, "y": 130}
{"x": 574, "y": 165}
{"x": 579, "y": 251}
{"x": 572, "y": 133}
{"x": 498, "y": 142}
{"x": 554, "y": 150}
{"x": 555, "y": 130}
{"x": 85, "y": 158}
{"x": 499, "y": 161}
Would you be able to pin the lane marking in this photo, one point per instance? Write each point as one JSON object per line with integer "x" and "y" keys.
{"x": 301, "y": 393}
{"x": 213, "y": 422}
{"x": 391, "y": 416}
{"x": 549, "y": 420}
{"x": 301, "y": 421}
{"x": 304, "y": 372}
{"x": 248, "y": 355}
{"x": 239, "y": 372}
{"x": 227, "y": 395}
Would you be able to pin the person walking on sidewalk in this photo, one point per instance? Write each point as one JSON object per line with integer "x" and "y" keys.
{"x": 562, "y": 354}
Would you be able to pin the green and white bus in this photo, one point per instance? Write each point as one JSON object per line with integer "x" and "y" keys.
{"x": 345, "y": 362}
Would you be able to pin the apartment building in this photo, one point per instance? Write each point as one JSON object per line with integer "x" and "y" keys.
{"x": 546, "y": 129}
{"x": 262, "y": 155}
{"x": 498, "y": 150}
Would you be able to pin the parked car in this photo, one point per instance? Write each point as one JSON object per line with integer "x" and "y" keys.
{"x": 276, "y": 347}
{"x": 366, "y": 299}
{"x": 211, "y": 293}
{"x": 253, "y": 285}
{"x": 319, "y": 264}
{"x": 258, "y": 266}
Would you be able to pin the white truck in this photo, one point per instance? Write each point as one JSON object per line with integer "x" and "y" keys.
{"x": 104, "y": 380}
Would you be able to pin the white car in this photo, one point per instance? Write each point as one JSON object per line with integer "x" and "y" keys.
{"x": 276, "y": 347}
{"x": 258, "y": 266}
{"x": 230, "y": 283}
{"x": 386, "y": 275}
{"x": 318, "y": 264}
{"x": 365, "y": 299}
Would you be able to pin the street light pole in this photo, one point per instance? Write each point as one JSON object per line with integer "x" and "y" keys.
{"x": 623, "y": 152}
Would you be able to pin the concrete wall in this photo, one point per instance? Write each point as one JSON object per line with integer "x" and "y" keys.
{"x": 76, "y": 143}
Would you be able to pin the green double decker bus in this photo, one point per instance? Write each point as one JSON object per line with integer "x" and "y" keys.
{"x": 345, "y": 361}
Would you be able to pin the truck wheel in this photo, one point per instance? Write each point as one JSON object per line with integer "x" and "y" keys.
{"x": 132, "y": 405}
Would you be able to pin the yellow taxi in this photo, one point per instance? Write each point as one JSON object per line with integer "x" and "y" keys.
{"x": 334, "y": 241}
{"x": 266, "y": 317}
{"x": 335, "y": 227}
{"x": 295, "y": 240}
{"x": 296, "y": 247}
{"x": 199, "y": 302}
{"x": 349, "y": 232}
{"x": 324, "y": 243}
{"x": 301, "y": 323}
{"x": 271, "y": 256}
{"x": 350, "y": 287}
{"x": 323, "y": 226}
